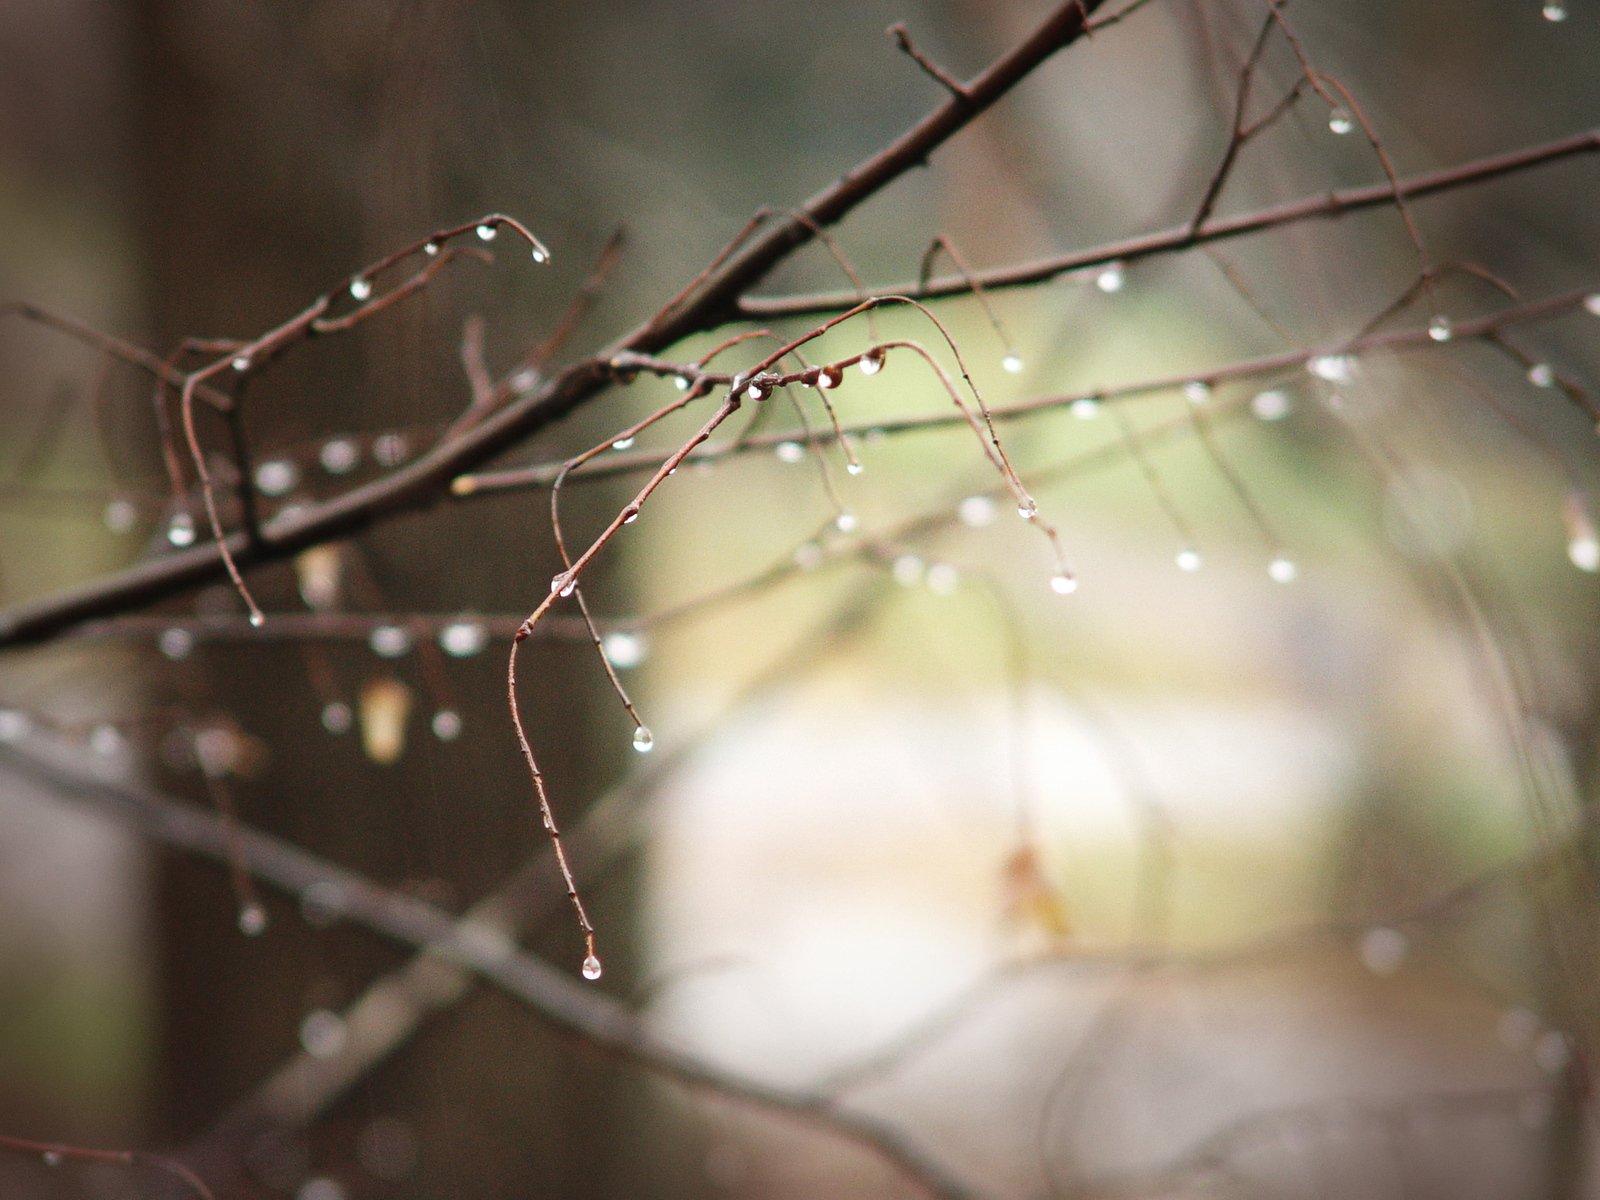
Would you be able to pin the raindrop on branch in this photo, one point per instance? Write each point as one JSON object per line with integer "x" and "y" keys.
{"x": 591, "y": 968}
{"x": 643, "y": 740}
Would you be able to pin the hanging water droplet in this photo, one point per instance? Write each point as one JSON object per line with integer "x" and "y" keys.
{"x": 323, "y": 1033}
{"x": 756, "y": 391}
{"x": 943, "y": 579}
{"x": 563, "y": 584}
{"x": 463, "y": 639}
{"x": 337, "y": 717}
{"x": 1591, "y": 304}
{"x": 1340, "y": 120}
{"x": 1555, "y": 12}
{"x": 1335, "y": 368}
{"x": 630, "y": 514}
{"x": 871, "y": 362}
{"x": 854, "y": 468}
{"x": 390, "y": 449}
{"x": 241, "y": 363}
{"x": 1439, "y": 328}
{"x": 180, "y": 529}
{"x": 625, "y": 648}
{"x": 907, "y": 570}
{"x": 1085, "y": 408}
{"x": 829, "y": 377}
{"x": 430, "y": 248}
{"x": 1583, "y": 547}
{"x": 622, "y": 443}
{"x": 846, "y": 522}
{"x": 1012, "y": 364}
{"x": 1188, "y": 559}
{"x": 339, "y": 456}
{"x": 591, "y": 968}
{"x": 1111, "y": 278}
{"x": 1282, "y": 569}
{"x": 389, "y": 641}
{"x": 681, "y": 382}
{"x": 1541, "y": 375}
{"x": 1028, "y": 509}
{"x": 643, "y": 740}
{"x": 120, "y": 515}
{"x": 252, "y": 919}
{"x": 446, "y": 725}
{"x": 789, "y": 452}
{"x": 488, "y": 231}
{"x": 1063, "y": 583}
{"x": 360, "y": 289}
{"x": 540, "y": 255}
{"x": 1270, "y": 405}
{"x": 975, "y": 512}
{"x": 1197, "y": 392}
{"x": 277, "y": 476}
{"x": 258, "y": 619}
{"x": 1383, "y": 950}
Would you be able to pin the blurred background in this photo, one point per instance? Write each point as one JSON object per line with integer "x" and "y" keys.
{"x": 1268, "y": 878}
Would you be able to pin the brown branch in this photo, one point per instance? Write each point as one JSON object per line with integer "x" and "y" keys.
{"x": 1171, "y": 241}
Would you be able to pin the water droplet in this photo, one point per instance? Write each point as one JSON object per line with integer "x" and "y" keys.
{"x": 630, "y": 514}
{"x": 1555, "y": 12}
{"x": 1188, "y": 559}
{"x": 563, "y": 584}
{"x": 337, "y": 717}
{"x": 907, "y": 570}
{"x": 446, "y": 725}
{"x": 1028, "y": 509}
{"x": 1585, "y": 554}
{"x": 975, "y": 512}
{"x": 1085, "y": 408}
{"x": 1583, "y": 546}
{"x": 1197, "y": 391}
{"x": 106, "y": 740}
{"x": 1012, "y": 364}
{"x": 339, "y": 456}
{"x": 591, "y": 968}
{"x": 681, "y": 382}
{"x": 14, "y": 724}
{"x": 871, "y": 362}
{"x": 625, "y": 648}
{"x": 846, "y": 522}
{"x": 430, "y": 248}
{"x": 789, "y": 452}
{"x": 1591, "y": 304}
{"x": 756, "y": 391}
{"x": 463, "y": 639}
{"x": 829, "y": 377}
{"x": 360, "y": 289}
{"x": 180, "y": 529}
{"x": 1111, "y": 278}
{"x": 389, "y": 641}
{"x": 1063, "y": 583}
{"x": 390, "y": 449}
{"x": 643, "y": 740}
{"x": 120, "y": 515}
{"x": 52, "y": 1158}
{"x": 1270, "y": 405}
{"x": 258, "y": 619}
{"x": 540, "y": 255}
{"x": 1541, "y": 375}
{"x": 1282, "y": 569}
{"x": 252, "y": 919}
{"x": 1340, "y": 120}
{"x": 323, "y": 1033}
{"x": 277, "y": 476}
{"x": 943, "y": 579}
{"x": 241, "y": 363}
{"x": 175, "y": 643}
{"x": 854, "y": 468}
{"x": 1335, "y": 368}
{"x": 1383, "y": 950}
{"x": 488, "y": 231}
{"x": 1439, "y": 328}
{"x": 622, "y": 443}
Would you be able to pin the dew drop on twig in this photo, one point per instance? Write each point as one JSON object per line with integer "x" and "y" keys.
{"x": 643, "y": 740}
{"x": 487, "y": 231}
{"x": 591, "y": 968}
{"x": 360, "y": 289}
{"x": 1541, "y": 375}
{"x": 1439, "y": 328}
{"x": 1188, "y": 559}
{"x": 1063, "y": 584}
{"x": 1111, "y": 278}
{"x": 180, "y": 529}
{"x": 1282, "y": 569}
{"x": 1012, "y": 364}
{"x": 871, "y": 362}
{"x": 1340, "y": 121}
